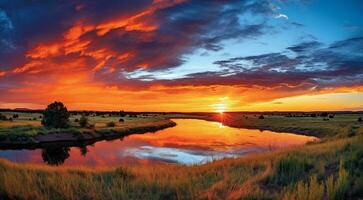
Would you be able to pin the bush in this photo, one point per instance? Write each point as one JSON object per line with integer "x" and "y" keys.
{"x": 15, "y": 116}
{"x": 360, "y": 119}
{"x": 83, "y": 122}
{"x": 122, "y": 113}
{"x": 121, "y": 120}
{"x": 110, "y": 124}
{"x": 76, "y": 120}
{"x": 261, "y": 117}
{"x": 56, "y": 116}
{"x": 3, "y": 117}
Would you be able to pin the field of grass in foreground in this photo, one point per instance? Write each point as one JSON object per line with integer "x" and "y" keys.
{"x": 330, "y": 169}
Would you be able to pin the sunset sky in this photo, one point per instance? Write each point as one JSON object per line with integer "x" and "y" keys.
{"x": 182, "y": 55}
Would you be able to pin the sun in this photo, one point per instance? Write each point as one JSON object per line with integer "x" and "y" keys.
{"x": 220, "y": 111}
{"x": 220, "y": 108}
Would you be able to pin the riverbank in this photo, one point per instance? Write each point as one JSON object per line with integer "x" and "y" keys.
{"x": 339, "y": 125}
{"x": 25, "y": 133}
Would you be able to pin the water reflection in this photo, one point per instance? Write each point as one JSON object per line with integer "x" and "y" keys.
{"x": 190, "y": 142}
{"x": 55, "y": 155}
{"x": 83, "y": 150}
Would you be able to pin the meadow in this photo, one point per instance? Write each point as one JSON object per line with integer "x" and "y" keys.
{"x": 26, "y": 128}
{"x": 331, "y": 168}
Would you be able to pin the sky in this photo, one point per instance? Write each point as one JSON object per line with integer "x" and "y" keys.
{"x": 182, "y": 55}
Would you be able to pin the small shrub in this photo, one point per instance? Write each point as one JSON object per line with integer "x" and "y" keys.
{"x": 3, "y": 117}
{"x": 83, "y": 121}
{"x": 110, "y": 124}
{"x": 121, "y": 120}
{"x": 261, "y": 117}
{"x": 15, "y": 116}
{"x": 76, "y": 120}
{"x": 360, "y": 119}
{"x": 122, "y": 113}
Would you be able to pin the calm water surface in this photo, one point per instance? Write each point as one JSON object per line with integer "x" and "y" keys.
{"x": 190, "y": 142}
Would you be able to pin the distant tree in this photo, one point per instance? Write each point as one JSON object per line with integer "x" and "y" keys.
{"x": 261, "y": 117}
{"x": 331, "y": 116}
{"x": 313, "y": 115}
{"x": 15, "y": 116}
{"x": 56, "y": 115}
{"x": 360, "y": 119}
{"x": 324, "y": 114}
{"x": 83, "y": 121}
{"x": 122, "y": 113}
{"x": 3, "y": 117}
{"x": 110, "y": 124}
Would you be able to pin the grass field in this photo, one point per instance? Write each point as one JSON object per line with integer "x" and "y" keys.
{"x": 27, "y": 126}
{"x": 329, "y": 169}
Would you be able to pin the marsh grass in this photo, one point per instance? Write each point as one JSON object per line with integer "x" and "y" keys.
{"x": 312, "y": 190}
{"x": 315, "y": 190}
{"x": 289, "y": 169}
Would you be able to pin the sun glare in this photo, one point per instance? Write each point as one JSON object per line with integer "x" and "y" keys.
{"x": 221, "y": 106}
{"x": 220, "y": 111}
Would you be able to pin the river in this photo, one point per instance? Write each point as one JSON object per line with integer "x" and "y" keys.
{"x": 192, "y": 141}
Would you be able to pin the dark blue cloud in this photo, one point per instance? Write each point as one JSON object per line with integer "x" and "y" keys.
{"x": 182, "y": 28}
